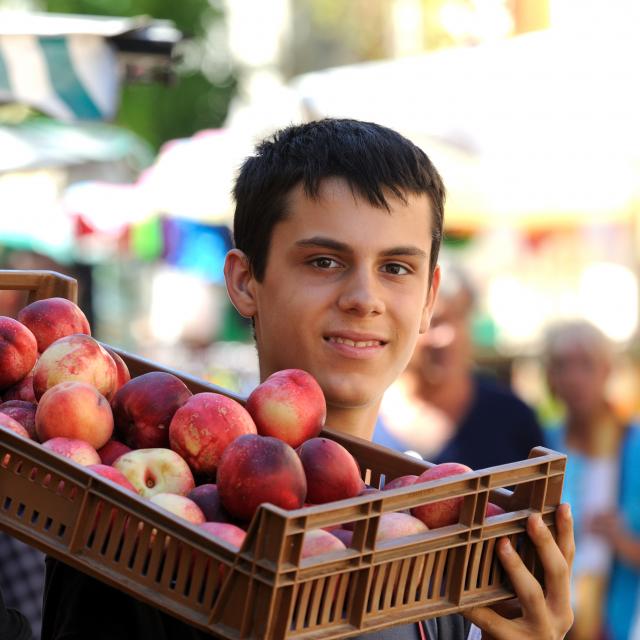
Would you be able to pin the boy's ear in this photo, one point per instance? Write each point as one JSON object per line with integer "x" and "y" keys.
{"x": 427, "y": 310}
{"x": 240, "y": 283}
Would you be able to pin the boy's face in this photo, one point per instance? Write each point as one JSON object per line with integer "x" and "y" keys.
{"x": 345, "y": 291}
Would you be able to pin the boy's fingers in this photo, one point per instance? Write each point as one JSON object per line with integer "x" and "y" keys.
{"x": 555, "y": 564}
{"x": 564, "y": 527}
{"x": 527, "y": 588}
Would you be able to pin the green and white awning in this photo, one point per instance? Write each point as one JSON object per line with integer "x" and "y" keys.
{"x": 68, "y": 66}
{"x": 67, "y": 77}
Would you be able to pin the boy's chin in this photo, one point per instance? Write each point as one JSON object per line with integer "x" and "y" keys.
{"x": 353, "y": 398}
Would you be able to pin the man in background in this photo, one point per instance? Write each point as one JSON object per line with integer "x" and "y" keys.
{"x": 443, "y": 408}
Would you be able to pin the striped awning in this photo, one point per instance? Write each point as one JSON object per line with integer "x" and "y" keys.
{"x": 66, "y": 66}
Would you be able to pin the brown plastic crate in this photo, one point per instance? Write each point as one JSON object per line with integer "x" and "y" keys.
{"x": 265, "y": 590}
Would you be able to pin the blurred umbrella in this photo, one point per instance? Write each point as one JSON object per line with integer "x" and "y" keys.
{"x": 193, "y": 177}
{"x": 538, "y": 130}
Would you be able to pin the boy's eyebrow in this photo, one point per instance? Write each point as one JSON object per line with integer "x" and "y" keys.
{"x": 342, "y": 247}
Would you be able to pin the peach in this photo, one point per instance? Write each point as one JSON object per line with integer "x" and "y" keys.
{"x": 23, "y": 412}
{"x": 289, "y": 405}
{"x": 157, "y": 470}
{"x": 256, "y": 469}
{"x": 203, "y": 427}
{"x": 179, "y": 506}
{"x": 53, "y": 318}
{"x": 398, "y": 525}
{"x": 144, "y": 406}
{"x": 492, "y": 509}
{"x": 77, "y": 450}
{"x": 206, "y": 496}
{"x": 402, "y": 481}
{"x": 74, "y": 410}
{"x": 113, "y": 474}
{"x": 343, "y": 535}
{"x": 317, "y": 542}
{"x": 111, "y": 451}
{"x": 18, "y": 351}
{"x": 444, "y": 512}
{"x": 122, "y": 371}
{"x": 332, "y": 472}
{"x": 228, "y": 532}
{"x": 75, "y": 358}
{"x": 22, "y": 390}
{"x": 7, "y": 422}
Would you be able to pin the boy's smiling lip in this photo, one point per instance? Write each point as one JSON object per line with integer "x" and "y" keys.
{"x": 355, "y": 344}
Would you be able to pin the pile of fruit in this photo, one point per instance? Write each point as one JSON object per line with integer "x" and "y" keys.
{"x": 203, "y": 457}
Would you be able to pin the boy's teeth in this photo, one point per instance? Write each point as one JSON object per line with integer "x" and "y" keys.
{"x": 353, "y": 343}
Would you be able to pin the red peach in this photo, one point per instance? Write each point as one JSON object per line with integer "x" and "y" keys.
{"x": 74, "y": 410}
{"x": 206, "y": 496}
{"x": 317, "y": 542}
{"x": 228, "y": 532}
{"x": 398, "y": 525}
{"x": 76, "y": 358}
{"x": 203, "y": 427}
{"x": 77, "y": 450}
{"x": 53, "y": 318}
{"x": 289, "y": 405}
{"x": 256, "y": 469}
{"x": 180, "y": 506}
{"x": 443, "y": 512}
{"x": 402, "y": 481}
{"x": 156, "y": 470}
{"x": 23, "y": 412}
{"x": 144, "y": 406}
{"x": 7, "y": 422}
{"x": 122, "y": 371}
{"x": 111, "y": 451}
{"x": 18, "y": 351}
{"x": 113, "y": 474}
{"x": 492, "y": 509}
{"x": 22, "y": 390}
{"x": 332, "y": 472}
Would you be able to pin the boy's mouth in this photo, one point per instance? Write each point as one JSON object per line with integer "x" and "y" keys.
{"x": 356, "y": 343}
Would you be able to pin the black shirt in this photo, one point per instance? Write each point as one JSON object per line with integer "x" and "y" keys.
{"x": 78, "y": 607}
{"x": 499, "y": 428}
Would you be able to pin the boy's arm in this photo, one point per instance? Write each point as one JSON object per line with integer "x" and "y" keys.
{"x": 544, "y": 614}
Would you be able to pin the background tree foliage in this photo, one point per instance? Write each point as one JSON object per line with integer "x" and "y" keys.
{"x": 195, "y": 101}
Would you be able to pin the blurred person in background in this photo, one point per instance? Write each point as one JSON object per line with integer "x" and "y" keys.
{"x": 602, "y": 481}
{"x": 442, "y": 407}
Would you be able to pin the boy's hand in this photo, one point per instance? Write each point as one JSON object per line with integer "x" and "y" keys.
{"x": 543, "y": 616}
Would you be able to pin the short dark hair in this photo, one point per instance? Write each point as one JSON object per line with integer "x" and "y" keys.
{"x": 371, "y": 158}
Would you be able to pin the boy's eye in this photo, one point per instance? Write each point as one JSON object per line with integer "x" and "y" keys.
{"x": 325, "y": 263}
{"x": 395, "y": 269}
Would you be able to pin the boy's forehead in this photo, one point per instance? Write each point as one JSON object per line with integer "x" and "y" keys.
{"x": 332, "y": 188}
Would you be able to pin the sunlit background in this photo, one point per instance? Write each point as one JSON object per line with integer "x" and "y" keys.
{"x": 528, "y": 107}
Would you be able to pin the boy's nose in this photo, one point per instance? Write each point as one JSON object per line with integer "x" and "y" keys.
{"x": 361, "y": 294}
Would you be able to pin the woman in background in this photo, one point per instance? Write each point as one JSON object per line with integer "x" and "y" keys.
{"x": 602, "y": 481}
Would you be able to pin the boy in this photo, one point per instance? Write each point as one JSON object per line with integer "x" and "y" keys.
{"x": 337, "y": 228}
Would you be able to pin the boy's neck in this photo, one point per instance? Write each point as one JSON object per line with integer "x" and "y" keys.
{"x": 359, "y": 422}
